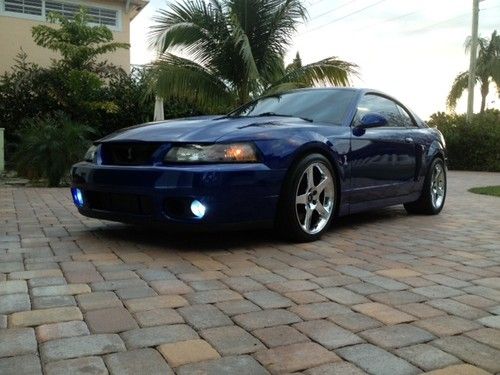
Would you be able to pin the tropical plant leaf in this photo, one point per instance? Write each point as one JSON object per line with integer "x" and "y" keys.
{"x": 330, "y": 71}
{"x": 177, "y": 77}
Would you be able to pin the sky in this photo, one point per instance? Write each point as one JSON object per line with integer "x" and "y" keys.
{"x": 409, "y": 49}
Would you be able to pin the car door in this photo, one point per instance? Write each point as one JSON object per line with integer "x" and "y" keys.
{"x": 382, "y": 159}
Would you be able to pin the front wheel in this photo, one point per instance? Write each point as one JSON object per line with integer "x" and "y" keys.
{"x": 433, "y": 194}
{"x": 308, "y": 202}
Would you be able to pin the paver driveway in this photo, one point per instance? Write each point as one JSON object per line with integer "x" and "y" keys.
{"x": 382, "y": 293}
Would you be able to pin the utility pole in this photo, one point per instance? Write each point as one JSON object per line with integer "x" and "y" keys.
{"x": 473, "y": 57}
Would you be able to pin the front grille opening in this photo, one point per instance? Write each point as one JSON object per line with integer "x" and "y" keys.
{"x": 119, "y": 202}
{"x": 128, "y": 153}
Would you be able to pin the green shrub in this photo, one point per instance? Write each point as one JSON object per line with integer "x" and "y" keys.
{"x": 474, "y": 146}
{"x": 49, "y": 146}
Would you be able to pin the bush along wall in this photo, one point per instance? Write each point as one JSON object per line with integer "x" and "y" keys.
{"x": 471, "y": 146}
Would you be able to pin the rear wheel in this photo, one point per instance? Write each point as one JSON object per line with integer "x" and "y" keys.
{"x": 433, "y": 194}
{"x": 308, "y": 202}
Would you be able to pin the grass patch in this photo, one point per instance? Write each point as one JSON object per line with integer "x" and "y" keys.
{"x": 487, "y": 190}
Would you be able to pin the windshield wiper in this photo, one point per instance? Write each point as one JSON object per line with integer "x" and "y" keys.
{"x": 265, "y": 114}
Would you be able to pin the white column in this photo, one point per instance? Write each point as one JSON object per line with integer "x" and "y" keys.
{"x": 158, "y": 114}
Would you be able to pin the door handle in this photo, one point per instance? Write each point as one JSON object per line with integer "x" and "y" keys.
{"x": 409, "y": 140}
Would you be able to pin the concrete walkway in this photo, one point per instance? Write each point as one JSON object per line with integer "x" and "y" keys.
{"x": 382, "y": 293}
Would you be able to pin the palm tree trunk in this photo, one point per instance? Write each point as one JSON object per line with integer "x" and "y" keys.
{"x": 485, "y": 88}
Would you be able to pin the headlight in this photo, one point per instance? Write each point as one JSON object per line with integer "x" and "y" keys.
{"x": 216, "y": 153}
{"x": 90, "y": 154}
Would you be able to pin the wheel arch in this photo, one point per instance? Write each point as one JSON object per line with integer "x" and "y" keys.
{"x": 324, "y": 150}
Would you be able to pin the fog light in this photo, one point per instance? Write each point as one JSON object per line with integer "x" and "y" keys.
{"x": 198, "y": 209}
{"x": 77, "y": 197}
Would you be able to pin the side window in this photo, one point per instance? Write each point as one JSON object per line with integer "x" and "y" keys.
{"x": 406, "y": 119}
{"x": 379, "y": 104}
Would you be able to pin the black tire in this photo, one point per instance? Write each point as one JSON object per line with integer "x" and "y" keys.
{"x": 287, "y": 220}
{"x": 425, "y": 204}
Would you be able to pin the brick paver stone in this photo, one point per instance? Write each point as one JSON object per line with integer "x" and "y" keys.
{"x": 183, "y": 352}
{"x": 49, "y": 302}
{"x": 427, "y": 357}
{"x": 204, "y": 316}
{"x": 28, "y": 364}
{"x": 335, "y": 368}
{"x": 295, "y": 357}
{"x": 212, "y": 296}
{"x": 488, "y": 336}
{"x": 98, "y": 300}
{"x": 13, "y": 286}
{"x": 400, "y": 297}
{"x": 459, "y": 370}
{"x": 231, "y": 340}
{"x": 135, "y": 292}
{"x": 157, "y": 302}
{"x": 26, "y": 275}
{"x": 447, "y": 325}
{"x": 438, "y": 291}
{"x": 45, "y": 316}
{"x": 240, "y": 365}
{"x": 398, "y": 273}
{"x": 142, "y": 361}
{"x": 279, "y": 335}
{"x": 457, "y": 308}
{"x": 397, "y": 336}
{"x": 53, "y": 290}
{"x": 237, "y": 307}
{"x": 153, "y": 336}
{"x": 10, "y": 303}
{"x": 112, "y": 320}
{"x": 376, "y": 361}
{"x": 304, "y": 297}
{"x": 83, "y": 366}
{"x": 81, "y": 346}
{"x": 17, "y": 341}
{"x": 171, "y": 287}
{"x": 158, "y": 317}
{"x": 384, "y": 313}
{"x": 328, "y": 334}
{"x": 354, "y": 322}
{"x": 471, "y": 351}
{"x": 490, "y": 321}
{"x": 319, "y": 310}
{"x": 54, "y": 331}
{"x": 343, "y": 296}
{"x": 266, "y": 318}
{"x": 268, "y": 299}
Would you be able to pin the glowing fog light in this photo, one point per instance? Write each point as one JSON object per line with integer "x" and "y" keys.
{"x": 77, "y": 197}
{"x": 198, "y": 209}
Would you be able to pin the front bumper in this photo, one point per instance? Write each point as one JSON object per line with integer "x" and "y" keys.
{"x": 233, "y": 194}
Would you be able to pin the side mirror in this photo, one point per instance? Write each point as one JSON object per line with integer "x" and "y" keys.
{"x": 372, "y": 120}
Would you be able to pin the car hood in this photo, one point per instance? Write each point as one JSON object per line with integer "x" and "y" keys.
{"x": 198, "y": 129}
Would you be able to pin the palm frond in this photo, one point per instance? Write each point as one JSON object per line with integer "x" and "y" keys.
{"x": 330, "y": 71}
{"x": 176, "y": 77}
{"x": 194, "y": 27}
{"x": 459, "y": 86}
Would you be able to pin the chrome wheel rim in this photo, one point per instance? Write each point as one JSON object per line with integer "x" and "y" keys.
{"x": 314, "y": 198}
{"x": 438, "y": 185}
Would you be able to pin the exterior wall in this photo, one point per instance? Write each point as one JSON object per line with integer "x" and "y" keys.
{"x": 15, "y": 33}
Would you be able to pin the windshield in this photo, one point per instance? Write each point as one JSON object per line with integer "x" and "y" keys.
{"x": 327, "y": 105}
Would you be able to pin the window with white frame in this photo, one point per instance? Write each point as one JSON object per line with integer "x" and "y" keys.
{"x": 40, "y": 9}
{"x": 33, "y": 7}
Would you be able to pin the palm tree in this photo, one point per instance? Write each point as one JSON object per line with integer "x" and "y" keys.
{"x": 487, "y": 70}
{"x": 224, "y": 52}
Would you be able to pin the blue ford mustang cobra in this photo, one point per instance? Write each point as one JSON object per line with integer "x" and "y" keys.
{"x": 295, "y": 160}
